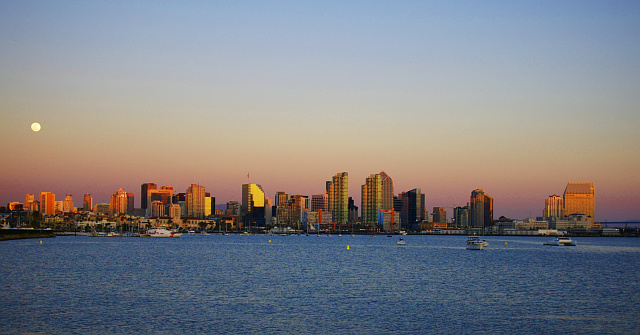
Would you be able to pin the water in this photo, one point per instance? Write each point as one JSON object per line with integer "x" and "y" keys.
{"x": 314, "y": 285}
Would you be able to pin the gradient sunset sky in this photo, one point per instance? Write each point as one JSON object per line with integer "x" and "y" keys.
{"x": 516, "y": 97}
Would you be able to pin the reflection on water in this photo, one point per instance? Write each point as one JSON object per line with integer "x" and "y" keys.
{"x": 314, "y": 285}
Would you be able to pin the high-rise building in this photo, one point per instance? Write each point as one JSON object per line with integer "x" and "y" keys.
{"x": 232, "y": 208}
{"x": 387, "y": 191}
{"x": 156, "y": 209}
{"x": 209, "y": 204}
{"x": 371, "y": 200}
{"x": 580, "y": 198}
{"x": 130, "y": 203}
{"x": 461, "y": 216}
{"x": 252, "y": 207}
{"x": 553, "y": 207}
{"x": 67, "y": 206}
{"x": 339, "y": 197}
{"x": 47, "y": 203}
{"x": 119, "y": 202}
{"x": 480, "y": 209}
{"x": 144, "y": 194}
{"x": 87, "y": 203}
{"x": 195, "y": 201}
{"x": 320, "y": 201}
{"x": 29, "y": 202}
{"x": 439, "y": 214}
{"x": 412, "y": 212}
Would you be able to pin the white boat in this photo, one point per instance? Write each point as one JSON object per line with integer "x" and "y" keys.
{"x": 192, "y": 232}
{"x": 162, "y": 232}
{"x": 475, "y": 245}
{"x": 401, "y": 242}
{"x": 559, "y": 241}
{"x": 474, "y": 238}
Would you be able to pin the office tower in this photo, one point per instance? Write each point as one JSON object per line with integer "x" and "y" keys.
{"x": 194, "y": 199}
{"x": 339, "y": 197}
{"x": 252, "y": 207}
{"x": 461, "y": 216}
{"x": 412, "y": 212}
{"x": 209, "y": 204}
{"x": 29, "y": 199}
{"x": 156, "y": 209}
{"x": 130, "y": 203}
{"x": 439, "y": 214}
{"x": 353, "y": 210}
{"x": 371, "y": 199}
{"x": 553, "y": 207}
{"x": 67, "y": 205}
{"x": 320, "y": 201}
{"x": 232, "y": 208}
{"x": 119, "y": 202}
{"x": 87, "y": 203}
{"x": 281, "y": 198}
{"x": 580, "y": 198}
{"x": 174, "y": 212}
{"x": 480, "y": 209}
{"x": 291, "y": 212}
{"x": 144, "y": 193}
{"x": 268, "y": 210}
{"x": 387, "y": 191}
{"x": 103, "y": 209}
{"x": 164, "y": 194}
{"x": 47, "y": 203}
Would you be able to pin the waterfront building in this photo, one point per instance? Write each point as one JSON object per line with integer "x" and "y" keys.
{"x": 461, "y": 216}
{"x": 67, "y": 205}
{"x": 387, "y": 191}
{"x": 119, "y": 203}
{"x": 531, "y": 224}
{"x": 318, "y": 219}
{"x": 156, "y": 209}
{"x": 87, "y": 203}
{"x": 389, "y": 219}
{"x": 439, "y": 215}
{"x": 195, "y": 201}
{"x": 175, "y": 212}
{"x": 480, "y": 209}
{"x": 320, "y": 201}
{"x": 579, "y": 198}
{"x": 252, "y": 207}
{"x": 103, "y": 209}
{"x": 339, "y": 197}
{"x": 371, "y": 200}
{"x": 47, "y": 203}
{"x": 553, "y": 207}
{"x": 144, "y": 194}
{"x": 413, "y": 211}
{"x": 233, "y": 208}
{"x": 291, "y": 212}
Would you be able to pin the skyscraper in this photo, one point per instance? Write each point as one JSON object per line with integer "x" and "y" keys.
{"x": 144, "y": 191}
{"x": 371, "y": 200}
{"x": 119, "y": 202}
{"x": 194, "y": 198}
{"x": 47, "y": 203}
{"x": 339, "y": 197}
{"x": 412, "y": 213}
{"x": 439, "y": 214}
{"x": 320, "y": 201}
{"x": 553, "y": 207}
{"x": 68, "y": 206}
{"x": 387, "y": 191}
{"x": 252, "y": 207}
{"x": 580, "y": 198}
{"x": 87, "y": 203}
{"x": 461, "y": 216}
{"x": 480, "y": 209}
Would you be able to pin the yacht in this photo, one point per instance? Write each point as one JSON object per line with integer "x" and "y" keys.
{"x": 562, "y": 241}
{"x": 162, "y": 232}
{"x": 475, "y": 244}
{"x": 473, "y": 238}
{"x": 401, "y": 242}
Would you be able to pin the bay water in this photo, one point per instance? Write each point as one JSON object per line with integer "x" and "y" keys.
{"x": 318, "y": 285}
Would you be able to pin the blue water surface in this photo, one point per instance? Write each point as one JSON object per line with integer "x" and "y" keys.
{"x": 318, "y": 285}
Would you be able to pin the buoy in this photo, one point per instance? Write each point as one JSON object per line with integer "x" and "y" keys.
{"x": 347, "y": 247}
{"x": 505, "y": 243}
{"x": 40, "y": 241}
{"x": 269, "y": 241}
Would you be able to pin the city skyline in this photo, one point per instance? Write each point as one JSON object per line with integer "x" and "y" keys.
{"x": 514, "y": 98}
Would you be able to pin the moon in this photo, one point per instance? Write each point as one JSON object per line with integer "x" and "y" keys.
{"x": 35, "y": 127}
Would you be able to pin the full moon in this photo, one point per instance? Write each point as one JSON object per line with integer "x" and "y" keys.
{"x": 35, "y": 126}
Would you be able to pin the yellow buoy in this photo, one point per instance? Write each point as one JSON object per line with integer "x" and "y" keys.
{"x": 347, "y": 247}
{"x": 505, "y": 243}
{"x": 40, "y": 241}
{"x": 269, "y": 241}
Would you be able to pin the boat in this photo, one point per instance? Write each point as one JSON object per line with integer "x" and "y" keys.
{"x": 475, "y": 245}
{"x": 562, "y": 241}
{"x": 162, "y": 232}
{"x": 204, "y": 233}
{"x": 477, "y": 238}
{"x": 192, "y": 232}
{"x": 401, "y": 242}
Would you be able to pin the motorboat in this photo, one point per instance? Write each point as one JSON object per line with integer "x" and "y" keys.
{"x": 562, "y": 241}
{"x": 162, "y": 232}
{"x": 475, "y": 244}
{"x": 473, "y": 238}
{"x": 401, "y": 242}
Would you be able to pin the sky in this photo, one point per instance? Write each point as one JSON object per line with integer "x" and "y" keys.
{"x": 515, "y": 97}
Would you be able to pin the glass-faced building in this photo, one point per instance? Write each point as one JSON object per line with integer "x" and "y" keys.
{"x": 339, "y": 197}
